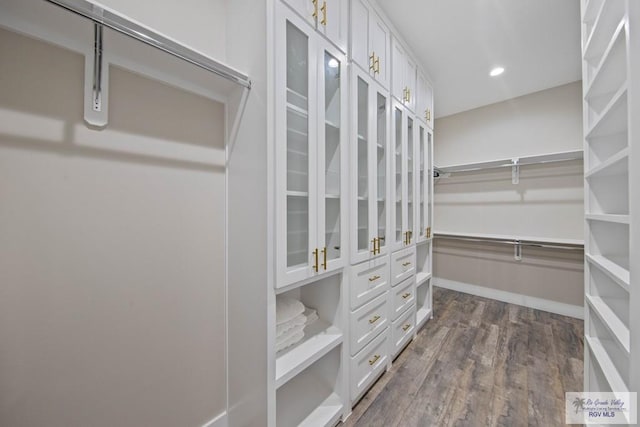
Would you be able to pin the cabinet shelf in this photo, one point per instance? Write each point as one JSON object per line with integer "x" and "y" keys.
{"x": 604, "y": 26}
{"x": 332, "y": 125}
{"x": 612, "y": 322}
{"x": 611, "y": 69}
{"x": 422, "y": 278}
{"x": 592, "y": 10}
{"x": 326, "y": 414}
{"x": 422, "y": 314}
{"x": 613, "y": 118}
{"x": 297, "y": 94}
{"x": 320, "y": 338}
{"x": 297, "y": 193}
{"x": 615, "y": 165}
{"x": 297, "y": 110}
{"x": 618, "y": 219}
{"x": 607, "y": 366}
{"x": 619, "y": 274}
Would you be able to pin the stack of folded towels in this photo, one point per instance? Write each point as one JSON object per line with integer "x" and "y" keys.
{"x": 291, "y": 319}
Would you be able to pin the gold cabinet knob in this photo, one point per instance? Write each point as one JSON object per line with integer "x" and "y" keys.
{"x": 405, "y": 327}
{"x": 374, "y": 319}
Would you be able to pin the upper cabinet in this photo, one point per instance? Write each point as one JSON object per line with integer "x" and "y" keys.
{"x": 424, "y": 101}
{"x": 329, "y": 17}
{"x": 403, "y": 72}
{"x": 370, "y": 168}
{"x": 311, "y": 127}
{"x": 370, "y": 42}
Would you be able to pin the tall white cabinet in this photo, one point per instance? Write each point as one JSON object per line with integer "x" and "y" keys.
{"x": 611, "y": 66}
{"x": 353, "y": 182}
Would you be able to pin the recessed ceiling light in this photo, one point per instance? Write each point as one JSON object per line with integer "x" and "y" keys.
{"x": 496, "y": 71}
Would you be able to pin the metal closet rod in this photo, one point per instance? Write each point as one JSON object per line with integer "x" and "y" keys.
{"x": 133, "y": 30}
{"x": 514, "y": 242}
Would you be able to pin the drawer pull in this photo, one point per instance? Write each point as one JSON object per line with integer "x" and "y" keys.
{"x": 374, "y": 360}
{"x": 374, "y": 319}
{"x": 405, "y": 264}
{"x": 407, "y": 295}
{"x": 374, "y": 278}
{"x": 405, "y": 327}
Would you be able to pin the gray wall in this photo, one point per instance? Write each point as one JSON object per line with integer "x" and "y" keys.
{"x": 547, "y": 203}
{"x": 111, "y": 250}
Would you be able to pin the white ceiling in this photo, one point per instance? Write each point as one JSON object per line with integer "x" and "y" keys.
{"x": 459, "y": 41}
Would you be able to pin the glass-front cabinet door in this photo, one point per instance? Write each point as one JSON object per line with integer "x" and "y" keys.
{"x": 425, "y": 179}
{"x": 309, "y": 152}
{"x": 369, "y": 168}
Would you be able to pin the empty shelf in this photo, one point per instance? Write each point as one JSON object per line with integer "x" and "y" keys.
{"x": 615, "y": 165}
{"x": 422, "y": 314}
{"x": 326, "y": 414}
{"x": 606, "y": 364}
{"x": 618, "y": 219}
{"x": 611, "y": 269}
{"x": 617, "y": 328}
{"x": 422, "y": 278}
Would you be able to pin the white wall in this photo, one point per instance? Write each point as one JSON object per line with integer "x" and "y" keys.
{"x": 547, "y": 203}
{"x": 111, "y": 252}
{"x": 549, "y": 121}
{"x": 200, "y": 24}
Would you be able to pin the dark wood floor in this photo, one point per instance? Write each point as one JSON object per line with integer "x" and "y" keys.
{"x": 479, "y": 362}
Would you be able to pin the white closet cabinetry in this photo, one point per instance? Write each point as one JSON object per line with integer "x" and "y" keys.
{"x": 328, "y": 17}
{"x": 370, "y": 42}
{"x": 424, "y": 101}
{"x": 310, "y": 157}
{"x": 403, "y": 74}
{"x": 611, "y": 66}
{"x": 403, "y": 180}
{"x": 424, "y": 241}
{"x": 369, "y": 169}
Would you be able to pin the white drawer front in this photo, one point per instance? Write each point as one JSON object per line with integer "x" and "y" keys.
{"x": 368, "y": 321}
{"x": 403, "y": 265}
{"x": 403, "y": 296}
{"x": 368, "y": 364}
{"x": 402, "y": 330}
{"x": 368, "y": 280}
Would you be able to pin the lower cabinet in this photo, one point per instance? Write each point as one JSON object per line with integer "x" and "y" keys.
{"x": 402, "y": 330}
{"x": 403, "y": 296}
{"x": 367, "y": 322}
{"x": 368, "y": 364}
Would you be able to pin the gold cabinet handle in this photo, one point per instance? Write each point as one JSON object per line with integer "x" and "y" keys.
{"x": 315, "y": 8}
{"x": 404, "y": 94}
{"x": 373, "y": 242}
{"x": 405, "y": 238}
{"x": 374, "y": 278}
{"x": 315, "y": 254}
{"x": 377, "y": 65}
{"x": 324, "y": 255}
{"x": 324, "y": 14}
{"x": 408, "y": 95}
{"x": 406, "y": 264}
{"x": 374, "y": 319}
{"x": 428, "y": 114}
{"x": 372, "y": 61}
{"x": 374, "y": 360}
{"x": 410, "y": 236}
{"x": 428, "y": 232}
{"x": 405, "y": 327}
{"x": 407, "y": 295}
{"x": 377, "y": 245}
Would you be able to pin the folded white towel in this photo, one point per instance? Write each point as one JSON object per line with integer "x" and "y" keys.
{"x": 290, "y": 333}
{"x": 293, "y": 339}
{"x": 311, "y": 316}
{"x": 282, "y": 328}
{"x": 287, "y": 308}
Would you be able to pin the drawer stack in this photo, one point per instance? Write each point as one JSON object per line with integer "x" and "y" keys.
{"x": 402, "y": 298}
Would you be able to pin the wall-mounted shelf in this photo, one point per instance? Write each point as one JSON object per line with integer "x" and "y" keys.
{"x": 507, "y": 163}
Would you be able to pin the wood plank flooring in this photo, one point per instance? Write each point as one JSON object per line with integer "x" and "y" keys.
{"x": 479, "y": 362}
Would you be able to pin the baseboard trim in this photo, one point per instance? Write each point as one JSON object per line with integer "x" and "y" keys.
{"x": 569, "y": 310}
{"x": 219, "y": 421}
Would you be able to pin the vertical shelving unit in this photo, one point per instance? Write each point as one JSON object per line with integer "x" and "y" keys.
{"x": 424, "y": 241}
{"x": 610, "y": 51}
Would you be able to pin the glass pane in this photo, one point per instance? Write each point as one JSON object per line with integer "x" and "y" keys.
{"x": 297, "y": 147}
{"x": 421, "y": 183}
{"x": 398, "y": 172}
{"x": 363, "y": 173}
{"x": 381, "y": 142}
{"x": 332, "y": 87}
{"x": 410, "y": 174}
{"x": 429, "y": 195}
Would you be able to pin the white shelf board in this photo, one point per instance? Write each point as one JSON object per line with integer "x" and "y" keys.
{"x": 421, "y": 278}
{"x": 618, "y": 219}
{"x": 522, "y": 160}
{"x": 326, "y": 414}
{"x": 320, "y": 338}
{"x": 613, "y": 118}
{"x": 591, "y": 10}
{"x": 422, "y": 315}
{"x": 617, "y": 328}
{"x": 557, "y": 240}
{"x": 611, "y": 269}
{"x": 607, "y": 20}
{"x": 614, "y": 165}
{"x": 603, "y": 72}
{"x": 606, "y": 364}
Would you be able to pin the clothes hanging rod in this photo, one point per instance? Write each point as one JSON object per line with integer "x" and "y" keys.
{"x": 124, "y": 26}
{"x": 507, "y": 163}
{"x": 513, "y": 242}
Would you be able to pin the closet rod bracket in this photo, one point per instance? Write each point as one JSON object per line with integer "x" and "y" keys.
{"x": 515, "y": 171}
{"x": 96, "y": 78}
{"x": 517, "y": 250}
